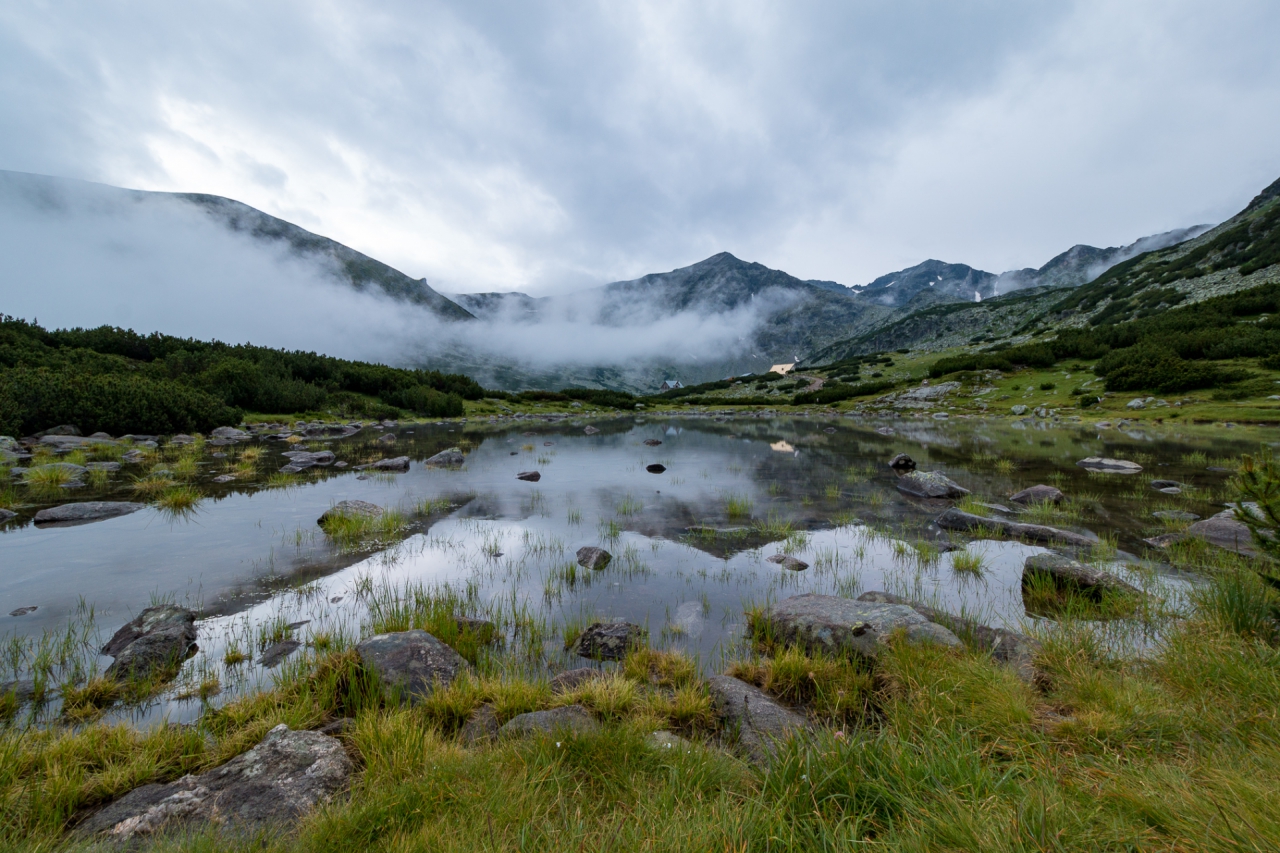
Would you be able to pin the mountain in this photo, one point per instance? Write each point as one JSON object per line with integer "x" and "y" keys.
{"x": 930, "y": 282}
{"x": 1082, "y": 264}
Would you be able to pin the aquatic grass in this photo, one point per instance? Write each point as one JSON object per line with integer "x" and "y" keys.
{"x": 179, "y": 499}
{"x": 966, "y": 562}
{"x": 628, "y": 506}
{"x": 738, "y": 507}
{"x": 1070, "y": 511}
{"x": 609, "y": 530}
{"x": 352, "y": 530}
{"x": 431, "y": 506}
{"x": 234, "y": 655}
{"x": 1005, "y": 466}
{"x": 574, "y": 516}
{"x": 973, "y": 506}
{"x": 1044, "y": 595}
{"x": 152, "y": 484}
{"x": 8, "y": 494}
{"x": 774, "y": 526}
{"x": 280, "y": 481}
{"x": 834, "y": 687}
{"x": 46, "y": 477}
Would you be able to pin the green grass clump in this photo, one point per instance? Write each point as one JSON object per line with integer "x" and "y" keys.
{"x": 179, "y": 499}
{"x": 357, "y": 530}
{"x": 966, "y": 562}
{"x": 738, "y": 507}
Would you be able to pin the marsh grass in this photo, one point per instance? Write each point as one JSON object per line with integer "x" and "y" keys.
{"x": 628, "y": 506}
{"x": 1044, "y": 595}
{"x": 152, "y": 484}
{"x": 738, "y": 507}
{"x": 179, "y": 499}
{"x": 8, "y": 494}
{"x": 966, "y": 562}
{"x": 46, "y": 478}
{"x": 350, "y": 530}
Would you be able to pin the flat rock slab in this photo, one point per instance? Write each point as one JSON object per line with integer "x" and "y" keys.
{"x": 607, "y": 640}
{"x": 1008, "y": 647}
{"x": 788, "y": 562}
{"x": 231, "y": 433}
{"x": 411, "y": 663}
{"x": 954, "y": 519}
{"x": 349, "y": 509}
{"x": 450, "y": 458}
{"x": 154, "y": 643}
{"x": 529, "y": 476}
{"x": 1110, "y": 466}
{"x": 827, "y": 623}
{"x": 930, "y": 484}
{"x": 271, "y": 786}
{"x": 591, "y": 557}
{"x": 760, "y": 723}
{"x": 590, "y": 430}
{"x": 1068, "y": 572}
{"x": 1038, "y": 495}
{"x": 72, "y": 471}
{"x": 569, "y": 720}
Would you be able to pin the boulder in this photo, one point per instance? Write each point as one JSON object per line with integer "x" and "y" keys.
{"x": 450, "y": 458}
{"x": 929, "y": 484}
{"x": 902, "y": 464}
{"x": 569, "y": 720}
{"x": 23, "y": 611}
{"x": 411, "y": 663}
{"x": 360, "y": 509}
{"x": 571, "y": 679}
{"x": 102, "y": 466}
{"x": 828, "y": 624}
{"x": 590, "y": 430}
{"x": 396, "y": 463}
{"x": 7, "y": 515}
{"x": 1175, "y": 515}
{"x": 134, "y": 456}
{"x": 1110, "y": 466}
{"x": 1067, "y": 572}
{"x": 607, "y": 640}
{"x": 1137, "y": 403}
{"x": 70, "y": 442}
{"x": 269, "y": 787}
{"x": 788, "y": 562}
{"x": 69, "y": 515}
{"x": 62, "y": 429}
{"x": 655, "y": 468}
{"x": 224, "y": 478}
{"x": 74, "y": 472}
{"x": 1008, "y": 647}
{"x": 759, "y": 722}
{"x": 181, "y": 439}
{"x": 1038, "y": 495}
{"x": 665, "y": 740}
{"x": 1225, "y": 531}
{"x": 154, "y": 644}
{"x": 232, "y": 433}
{"x": 388, "y": 438}
{"x": 954, "y": 519}
{"x": 1019, "y": 410}
{"x": 591, "y": 557}
{"x": 529, "y": 476}
{"x": 481, "y": 726}
{"x": 652, "y": 442}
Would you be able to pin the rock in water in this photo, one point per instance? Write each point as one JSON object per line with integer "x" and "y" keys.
{"x": 591, "y": 557}
{"x": 570, "y": 719}
{"x": 153, "y": 644}
{"x": 1226, "y": 532}
{"x": 7, "y": 515}
{"x": 652, "y": 442}
{"x": 1067, "y": 572}
{"x": 590, "y": 430}
{"x": 829, "y": 624}
{"x": 397, "y": 463}
{"x": 655, "y": 468}
{"x": 450, "y": 458}
{"x": 607, "y": 640}
{"x": 1038, "y": 495}
{"x": 788, "y": 562}
{"x": 277, "y": 652}
{"x": 352, "y": 508}
{"x": 529, "y": 476}
{"x": 902, "y": 464}
{"x": 1175, "y": 515}
{"x": 954, "y": 519}
{"x": 387, "y": 439}
{"x": 1110, "y": 466}
{"x": 929, "y": 484}
{"x": 411, "y": 663}
{"x": 231, "y": 433}
{"x": 760, "y": 722}
{"x": 271, "y": 786}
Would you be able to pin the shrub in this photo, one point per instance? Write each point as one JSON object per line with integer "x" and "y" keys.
{"x": 427, "y": 402}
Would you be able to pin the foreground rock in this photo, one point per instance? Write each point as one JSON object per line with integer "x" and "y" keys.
{"x": 350, "y": 509}
{"x": 930, "y": 484}
{"x": 1066, "y": 572}
{"x": 591, "y": 557}
{"x": 450, "y": 458}
{"x": 571, "y": 719}
{"x": 829, "y": 624}
{"x": 1110, "y": 466}
{"x": 1008, "y": 647}
{"x": 954, "y": 519}
{"x": 411, "y": 664}
{"x": 269, "y": 787}
{"x": 1038, "y": 495}
{"x": 760, "y": 722}
{"x": 153, "y": 645}
{"x": 607, "y": 640}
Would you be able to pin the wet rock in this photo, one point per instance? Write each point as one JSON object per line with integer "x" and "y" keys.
{"x": 607, "y": 640}
{"x": 954, "y": 519}
{"x": 224, "y": 478}
{"x": 1110, "y": 466}
{"x": 276, "y": 652}
{"x": 591, "y": 557}
{"x": 231, "y": 433}
{"x": 69, "y": 515}
{"x": 655, "y": 468}
{"x": 7, "y": 515}
{"x": 70, "y": 442}
{"x": 23, "y": 611}
{"x": 1175, "y": 515}
{"x": 929, "y": 484}
{"x": 359, "y": 509}
{"x": 884, "y": 430}
{"x": 902, "y": 464}
{"x": 481, "y": 727}
{"x": 1161, "y": 485}
{"x": 411, "y": 663}
{"x": 529, "y": 476}
{"x": 760, "y": 723}
{"x": 652, "y": 442}
{"x": 590, "y": 430}
{"x": 134, "y": 456}
{"x": 154, "y": 644}
{"x": 388, "y": 438}
{"x": 829, "y": 624}
{"x": 1137, "y": 403}
{"x": 569, "y": 720}
{"x": 1066, "y": 572}
{"x": 446, "y": 459}
{"x": 271, "y": 786}
{"x": 1038, "y": 495}
{"x": 571, "y": 679}
{"x": 181, "y": 439}
{"x": 788, "y": 562}
{"x": 340, "y": 465}
{"x": 1008, "y": 647}
{"x": 396, "y": 463}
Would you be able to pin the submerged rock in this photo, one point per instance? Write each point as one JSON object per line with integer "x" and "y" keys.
{"x": 446, "y": 459}
{"x": 607, "y": 640}
{"x": 1038, "y": 495}
{"x": 828, "y": 624}
{"x": 396, "y": 463}
{"x": 902, "y": 464}
{"x": 69, "y": 515}
{"x": 276, "y": 652}
{"x": 1175, "y": 515}
{"x": 930, "y": 484}
{"x": 570, "y": 719}
{"x": 1110, "y": 466}
{"x": 7, "y": 515}
{"x": 271, "y": 786}
{"x": 591, "y": 557}
{"x": 154, "y": 644}
{"x": 954, "y": 519}
{"x": 590, "y": 430}
{"x": 529, "y": 476}
{"x": 411, "y": 664}
{"x": 23, "y": 611}
{"x": 788, "y": 562}
{"x": 652, "y": 442}
{"x": 761, "y": 724}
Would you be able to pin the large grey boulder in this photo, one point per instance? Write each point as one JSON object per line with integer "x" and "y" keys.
{"x": 954, "y": 519}
{"x": 607, "y": 640}
{"x": 70, "y": 442}
{"x": 411, "y": 664}
{"x": 450, "y": 458}
{"x": 154, "y": 644}
{"x": 269, "y": 787}
{"x": 1067, "y": 572}
{"x": 348, "y": 509}
{"x": 69, "y": 515}
{"x": 570, "y": 720}
{"x": 1110, "y": 466}
{"x": 1225, "y": 531}
{"x": 829, "y": 624}
{"x": 1008, "y": 647}
{"x": 231, "y": 433}
{"x": 930, "y": 484}
{"x": 1038, "y": 495}
{"x": 591, "y": 557}
{"x": 757, "y": 724}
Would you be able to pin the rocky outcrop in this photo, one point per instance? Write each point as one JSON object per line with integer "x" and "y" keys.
{"x": 411, "y": 664}
{"x": 757, "y": 724}
{"x": 607, "y": 640}
{"x": 1038, "y": 495}
{"x": 569, "y": 720}
{"x": 929, "y": 484}
{"x": 153, "y": 645}
{"x": 269, "y": 787}
{"x": 591, "y": 557}
{"x": 829, "y": 624}
{"x": 1110, "y": 466}
{"x": 450, "y": 458}
{"x": 954, "y": 519}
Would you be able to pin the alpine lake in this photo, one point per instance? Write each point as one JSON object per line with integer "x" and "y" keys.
{"x": 690, "y": 506}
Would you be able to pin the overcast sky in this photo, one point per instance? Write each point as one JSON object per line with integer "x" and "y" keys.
{"x": 546, "y": 145}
